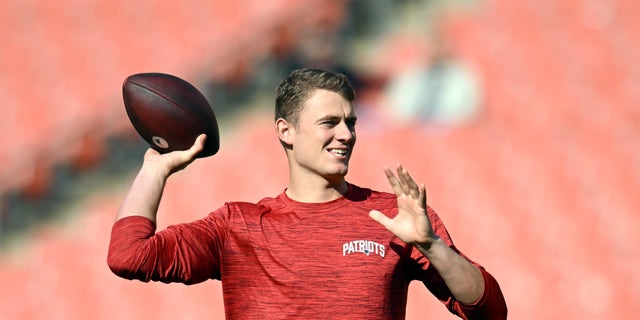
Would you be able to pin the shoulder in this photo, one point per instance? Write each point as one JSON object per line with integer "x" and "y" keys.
{"x": 241, "y": 207}
{"x": 370, "y": 199}
{"x": 357, "y": 193}
{"x": 236, "y": 214}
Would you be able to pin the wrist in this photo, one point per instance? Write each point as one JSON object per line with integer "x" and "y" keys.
{"x": 152, "y": 170}
{"x": 427, "y": 246}
{"x": 152, "y": 176}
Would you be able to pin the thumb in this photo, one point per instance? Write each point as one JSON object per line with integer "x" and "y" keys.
{"x": 381, "y": 218}
{"x": 189, "y": 155}
{"x": 184, "y": 158}
{"x": 197, "y": 146}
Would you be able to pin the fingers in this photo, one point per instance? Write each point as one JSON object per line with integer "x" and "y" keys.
{"x": 409, "y": 185}
{"x": 404, "y": 183}
{"x": 394, "y": 182}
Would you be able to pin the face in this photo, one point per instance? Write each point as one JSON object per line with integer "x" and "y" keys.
{"x": 324, "y": 137}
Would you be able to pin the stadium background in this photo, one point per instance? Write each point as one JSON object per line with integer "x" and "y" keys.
{"x": 540, "y": 184}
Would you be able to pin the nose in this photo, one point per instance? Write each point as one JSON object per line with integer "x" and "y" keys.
{"x": 345, "y": 132}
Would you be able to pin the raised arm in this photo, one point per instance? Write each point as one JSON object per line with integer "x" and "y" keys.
{"x": 146, "y": 190}
{"x": 182, "y": 253}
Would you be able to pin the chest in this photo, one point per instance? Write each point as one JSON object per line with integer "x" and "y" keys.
{"x": 330, "y": 249}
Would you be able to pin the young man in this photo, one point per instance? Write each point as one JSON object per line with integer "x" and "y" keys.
{"x": 324, "y": 248}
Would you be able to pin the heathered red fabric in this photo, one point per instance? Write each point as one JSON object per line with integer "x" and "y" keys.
{"x": 284, "y": 259}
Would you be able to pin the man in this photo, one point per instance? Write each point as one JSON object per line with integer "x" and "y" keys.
{"x": 324, "y": 248}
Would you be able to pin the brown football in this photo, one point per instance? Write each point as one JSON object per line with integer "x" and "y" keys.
{"x": 169, "y": 113}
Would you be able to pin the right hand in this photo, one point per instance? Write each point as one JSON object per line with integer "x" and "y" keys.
{"x": 175, "y": 161}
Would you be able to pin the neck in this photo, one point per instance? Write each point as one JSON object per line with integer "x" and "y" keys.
{"x": 315, "y": 192}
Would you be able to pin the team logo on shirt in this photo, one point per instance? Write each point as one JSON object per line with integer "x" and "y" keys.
{"x": 367, "y": 247}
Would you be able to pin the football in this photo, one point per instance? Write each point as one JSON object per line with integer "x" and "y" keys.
{"x": 169, "y": 113}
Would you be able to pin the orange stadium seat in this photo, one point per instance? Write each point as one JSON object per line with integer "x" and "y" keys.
{"x": 62, "y": 62}
{"x": 542, "y": 190}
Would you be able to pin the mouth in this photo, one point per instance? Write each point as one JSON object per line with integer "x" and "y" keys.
{"x": 338, "y": 152}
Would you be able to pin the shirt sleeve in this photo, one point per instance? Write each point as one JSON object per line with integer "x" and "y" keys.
{"x": 490, "y": 306}
{"x": 188, "y": 253}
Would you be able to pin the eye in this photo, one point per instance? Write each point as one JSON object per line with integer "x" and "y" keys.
{"x": 351, "y": 124}
{"x": 329, "y": 123}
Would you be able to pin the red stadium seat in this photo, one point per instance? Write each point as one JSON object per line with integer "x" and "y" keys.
{"x": 542, "y": 190}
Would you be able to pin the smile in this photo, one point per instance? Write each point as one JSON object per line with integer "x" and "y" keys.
{"x": 338, "y": 152}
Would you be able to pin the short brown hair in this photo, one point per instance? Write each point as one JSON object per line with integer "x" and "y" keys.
{"x": 295, "y": 89}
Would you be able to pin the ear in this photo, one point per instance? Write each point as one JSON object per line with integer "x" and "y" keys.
{"x": 286, "y": 131}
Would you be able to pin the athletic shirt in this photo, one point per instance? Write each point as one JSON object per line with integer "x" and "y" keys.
{"x": 281, "y": 258}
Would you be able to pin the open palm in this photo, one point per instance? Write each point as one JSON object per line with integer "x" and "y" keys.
{"x": 411, "y": 224}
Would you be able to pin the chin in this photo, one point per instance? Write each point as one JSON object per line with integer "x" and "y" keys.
{"x": 339, "y": 172}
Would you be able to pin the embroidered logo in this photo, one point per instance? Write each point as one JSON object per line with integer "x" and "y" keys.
{"x": 363, "y": 246}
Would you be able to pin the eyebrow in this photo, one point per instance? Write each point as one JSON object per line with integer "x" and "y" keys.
{"x": 350, "y": 118}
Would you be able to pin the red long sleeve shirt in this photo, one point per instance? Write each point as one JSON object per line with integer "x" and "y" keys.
{"x": 280, "y": 259}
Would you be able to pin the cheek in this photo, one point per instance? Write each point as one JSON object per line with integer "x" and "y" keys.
{"x": 324, "y": 137}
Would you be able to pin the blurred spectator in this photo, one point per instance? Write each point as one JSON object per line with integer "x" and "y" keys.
{"x": 442, "y": 91}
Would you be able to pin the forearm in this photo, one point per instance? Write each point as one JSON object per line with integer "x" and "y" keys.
{"x": 464, "y": 280}
{"x": 143, "y": 198}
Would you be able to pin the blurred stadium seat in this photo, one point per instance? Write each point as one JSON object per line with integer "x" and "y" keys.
{"x": 542, "y": 190}
{"x": 62, "y": 62}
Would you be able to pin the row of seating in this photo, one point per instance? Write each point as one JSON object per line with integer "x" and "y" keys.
{"x": 540, "y": 190}
{"x": 62, "y": 65}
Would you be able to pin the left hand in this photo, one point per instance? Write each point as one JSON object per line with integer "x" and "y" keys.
{"x": 412, "y": 223}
